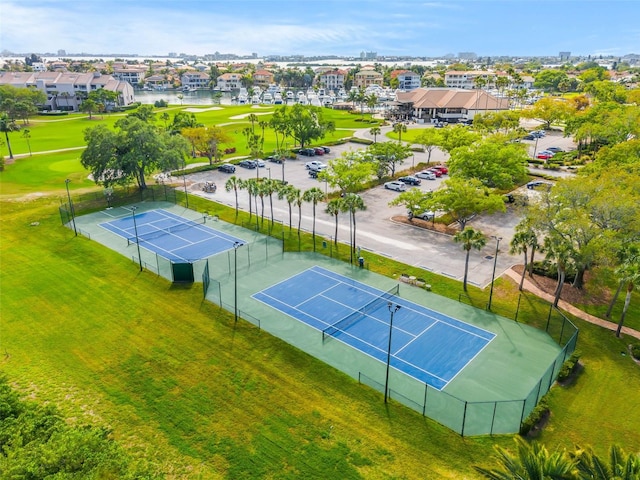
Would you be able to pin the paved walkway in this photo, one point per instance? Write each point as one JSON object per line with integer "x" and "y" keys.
{"x": 576, "y": 312}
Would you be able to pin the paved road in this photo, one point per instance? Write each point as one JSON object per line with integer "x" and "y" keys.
{"x": 376, "y": 231}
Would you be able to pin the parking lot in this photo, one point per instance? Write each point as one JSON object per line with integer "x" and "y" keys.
{"x": 376, "y": 231}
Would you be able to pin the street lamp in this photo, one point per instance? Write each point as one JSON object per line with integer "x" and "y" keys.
{"x": 392, "y": 310}
{"x": 184, "y": 180}
{"x": 535, "y": 147}
{"x": 493, "y": 275}
{"x": 269, "y": 171}
{"x": 235, "y": 280}
{"x": 73, "y": 215}
{"x": 135, "y": 229}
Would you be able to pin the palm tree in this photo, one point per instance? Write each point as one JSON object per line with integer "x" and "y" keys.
{"x": 313, "y": 195}
{"x": 469, "y": 238}
{"x": 260, "y": 192}
{"x": 520, "y": 244}
{"x": 352, "y": 203}
{"x": 8, "y": 125}
{"x": 234, "y": 183}
{"x": 375, "y": 131}
{"x": 629, "y": 273}
{"x": 531, "y": 462}
{"x": 399, "y": 128}
{"x": 287, "y": 192}
{"x": 296, "y": 196}
{"x": 334, "y": 207}
{"x": 621, "y": 466}
{"x": 26, "y": 134}
{"x": 270, "y": 187}
{"x": 558, "y": 249}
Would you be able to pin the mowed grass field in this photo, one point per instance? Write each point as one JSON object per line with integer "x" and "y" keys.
{"x": 179, "y": 383}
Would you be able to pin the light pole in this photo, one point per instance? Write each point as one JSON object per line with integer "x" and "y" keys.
{"x": 235, "y": 281}
{"x": 413, "y": 161}
{"x": 392, "y": 310}
{"x": 135, "y": 229}
{"x": 535, "y": 147}
{"x": 73, "y": 215}
{"x": 493, "y": 275}
{"x": 269, "y": 172}
{"x": 184, "y": 180}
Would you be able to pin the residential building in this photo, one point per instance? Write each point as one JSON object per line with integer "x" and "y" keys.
{"x": 332, "y": 79}
{"x": 407, "y": 80}
{"x": 263, "y": 78}
{"x": 366, "y": 77}
{"x": 66, "y": 91}
{"x": 195, "y": 80}
{"x": 135, "y": 76}
{"x": 425, "y": 105}
{"x": 229, "y": 81}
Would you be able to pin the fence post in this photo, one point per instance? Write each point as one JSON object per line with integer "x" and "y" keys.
{"x": 524, "y": 405}
{"x": 493, "y": 419}
{"x": 464, "y": 418}
{"x": 424, "y": 407}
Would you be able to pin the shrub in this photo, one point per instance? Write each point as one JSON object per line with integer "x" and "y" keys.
{"x": 363, "y": 141}
{"x": 550, "y": 270}
{"x": 537, "y": 414}
{"x": 160, "y": 103}
{"x": 635, "y": 351}
{"x": 568, "y": 366}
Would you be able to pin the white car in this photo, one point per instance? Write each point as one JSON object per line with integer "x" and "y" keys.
{"x": 426, "y": 174}
{"x": 396, "y": 185}
{"x": 312, "y": 165}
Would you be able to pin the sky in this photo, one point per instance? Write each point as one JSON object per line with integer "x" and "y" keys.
{"x": 327, "y": 27}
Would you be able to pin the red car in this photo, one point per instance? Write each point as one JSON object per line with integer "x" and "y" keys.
{"x": 435, "y": 171}
{"x": 444, "y": 170}
{"x": 544, "y": 155}
{"x": 319, "y": 151}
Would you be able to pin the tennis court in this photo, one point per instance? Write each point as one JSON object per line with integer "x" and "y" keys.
{"x": 427, "y": 345}
{"x": 171, "y": 236}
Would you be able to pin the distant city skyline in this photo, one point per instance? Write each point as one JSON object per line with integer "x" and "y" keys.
{"x": 328, "y": 27}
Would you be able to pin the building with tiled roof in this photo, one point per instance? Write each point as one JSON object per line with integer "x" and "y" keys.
{"x": 427, "y": 105}
{"x": 66, "y": 91}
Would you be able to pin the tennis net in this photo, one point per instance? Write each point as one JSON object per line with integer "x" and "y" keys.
{"x": 166, "y": 231}
{"x": 344, "y": 323}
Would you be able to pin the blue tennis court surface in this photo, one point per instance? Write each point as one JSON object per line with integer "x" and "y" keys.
{"x": 172, "y": 236}
{"x": 425, "y": 344}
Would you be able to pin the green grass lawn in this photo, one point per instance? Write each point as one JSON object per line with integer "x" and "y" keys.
{"x": 83, "y": 328}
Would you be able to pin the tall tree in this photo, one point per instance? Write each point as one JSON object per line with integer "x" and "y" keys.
{"x": 334, "y": 207}
{"x": 306, "y": 123}
{"x": 469, "y": 238}
{"x": 353, "y": 203}
{"x": 207, "y": 140}
{"x": 313, "y": 195}
{"x": 628, "y": 273}
{"x": 7, "y": 125}
{"x": 430, "y": 139}
{"x": 134, "y": 150}
{"x": 463, "y": 199}
{"x": 347, "y": 172}
{"x": 375, "y": 131}
{"x": 399, "y": 128}
{"x": 235, "y": 184}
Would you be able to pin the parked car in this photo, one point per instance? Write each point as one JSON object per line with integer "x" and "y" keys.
{"x": 319, "y": 150}
{"x": 538, "y": 133}
{"x": 396, "y": 185}
{"x": 307, "y": 152}
{"x": 227, "y": 168}
{"x": 538, "y": 183}
{"x": 410, "y": 180}
{"x": 326, "y": 149}
{"x": 444, "y": 170}
{"x": 259, "y": 162}
{"x": 312, "y": 164}
{"x": 318, "y": 168}
{"x": 544, "y": 155}
{"x": 275, "y": 159}
{"x": 435, "y": 171}
{"x": 248, "y": 164}
{"x": 554, "y": 149}
{"x": 426, "y": 174}
{"x": 422, "y": 215}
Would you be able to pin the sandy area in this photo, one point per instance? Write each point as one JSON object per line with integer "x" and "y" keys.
{"x": 245, "y": 115}
{"x": 199, "y": 110}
